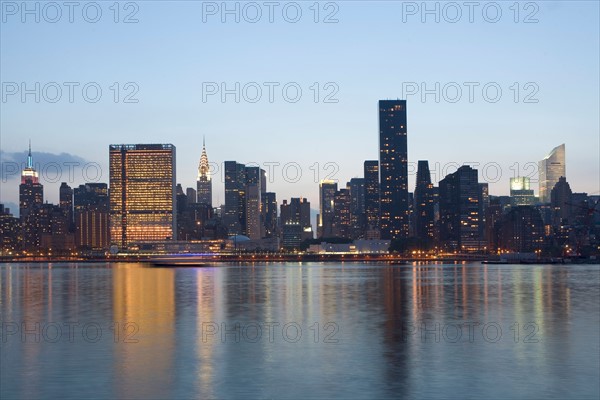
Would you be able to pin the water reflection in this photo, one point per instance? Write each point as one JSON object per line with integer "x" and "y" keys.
{"x": 300, "y": 330}
{"x": 144, "y": 320}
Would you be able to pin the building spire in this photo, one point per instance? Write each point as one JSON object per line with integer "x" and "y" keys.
{"x": 29, "y": 158}
{"x": 203, "y": 168}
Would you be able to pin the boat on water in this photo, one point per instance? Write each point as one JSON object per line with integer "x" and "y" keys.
{"x": 179, "y": 260}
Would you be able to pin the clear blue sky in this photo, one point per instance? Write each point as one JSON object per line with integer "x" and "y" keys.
{"x": 368, "y": 54}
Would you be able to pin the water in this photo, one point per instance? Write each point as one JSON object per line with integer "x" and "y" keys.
{"x": 303, "y": 331}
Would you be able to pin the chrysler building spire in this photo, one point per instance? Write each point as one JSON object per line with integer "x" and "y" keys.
{"x": 204, "y": 183}
{"x": 203, "y": 168}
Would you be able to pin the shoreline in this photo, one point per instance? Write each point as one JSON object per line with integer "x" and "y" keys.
{"x": 324, "y": 258}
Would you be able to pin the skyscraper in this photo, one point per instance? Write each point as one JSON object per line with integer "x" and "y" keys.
{"x": 520, "y": 192}
{"x": 460, "y": 219}
{"x": 561, "y": 200}
{"x": 269, "y": 210}
{"x": 295, "y": 222}
{"x": 357, "y": 207}
{"x": 327, "y": 191}
{"x": 91, "y": 216}
{"x": 204, "y": 182}
{"x": 31, "y": 198}
{"x": 393, "y": 164}
{"x": 551, "y": 168}
{"x": 234, "y": 217}
{"x": 9, "y": 232}
{"x": 192, "y": 195}
{"x": 371, "y": 172}
{"x": 424, "y": 203}
{"x": 66, "y": 203}
{"x": 142, "y": 193}
{"x": 521, "y": 230}
{"x": 253, "y": 203}
{"x": 342, "y": 214}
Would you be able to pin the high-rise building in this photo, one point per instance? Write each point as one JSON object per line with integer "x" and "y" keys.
{"x": 295, "y": 222}
{"x": 66, "y": 203}
{"x": 520, "y": 192}
{"x": 424, "y": 203}
{"x": 31, "y": 198}
{"x": 9, "y": 232}
{"x": 357, "y": 195}
{"x": 192, "y": 195}
{"x": 560, "y": 199}
{"x": 269, "y": 210}
{"x": 342, "y": 214}
{"x": 327, "y": 189}
{"x": 204, "y": 182}
{"x": 181, "y": 201}
{"x": 234, "y": 217}
{"x": 393, "y": 169}
{"x": 253, "y": 191}
{"x": 484, "y": 202}
{"x": 91, "y": 216}
{"x": 460, "y": 194}
{"x": 551, "y": 168}
{"x": 493, "y": 215}
{"x": 356, "y": 186}
{"x": 521, "y": 230}
{"x": 142, "y": 193}
{"x": 55, "y": 235}
{"x": 371, "y": 173}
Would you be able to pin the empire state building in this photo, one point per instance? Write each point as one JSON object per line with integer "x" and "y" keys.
{"x": 204, "y": 183}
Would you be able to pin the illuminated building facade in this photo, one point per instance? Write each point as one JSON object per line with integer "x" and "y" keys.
{"x": 460, "y": 219}
{"x": 31, "y": 198}
{"x": 551, "y": 168}
{"x": 393, "y": 170}
{"x": 520, "y": 192}
{"x": 204, "y": 182}
{"x": 142, "y": 193}
{"x": 9, "y": 232}
{"x": 254, "y": 227}
{"x": 295, "y": 222}
{"x": 342, "y": 214}
{"x": 91, "y": 216}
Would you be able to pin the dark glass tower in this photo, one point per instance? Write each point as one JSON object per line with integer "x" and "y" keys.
{"x": 66, "y": 203}
{"x": 235, "y": 198}
{"x": 393, "y": 164}
{"x": 424, "y": 203}
{"x": 371, "y": 171}
{"x": 269, "y": 210}
{"x": 460, "y": 211}
{"x": 327, "y": 191}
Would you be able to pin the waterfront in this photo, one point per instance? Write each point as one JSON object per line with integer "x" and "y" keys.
{"x": 300, "y": 330}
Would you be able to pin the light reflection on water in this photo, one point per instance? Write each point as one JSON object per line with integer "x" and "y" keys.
{"x": 303, "y": 331}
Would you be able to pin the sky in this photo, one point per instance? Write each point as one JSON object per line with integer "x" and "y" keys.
{"x": 497, "y": 86}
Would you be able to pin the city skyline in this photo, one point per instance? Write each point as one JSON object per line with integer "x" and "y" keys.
{"x": 170, "y": 108}
{"x": 459, "y": 214}
{"x": 52, "y": 196}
